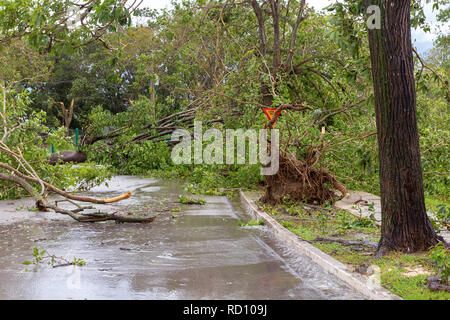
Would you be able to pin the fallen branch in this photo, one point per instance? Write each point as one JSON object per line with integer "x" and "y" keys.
{"x": 63, "y": 264}
{"x": 52, "y": 188}
{"x": 25, "y": 176}
{"x": 100, "y": 216}
{"x": 186, "y": 200}
{"x": 369, "y": 244}
{"x": 294, "y": 107}
{"x": 41, "y": 202}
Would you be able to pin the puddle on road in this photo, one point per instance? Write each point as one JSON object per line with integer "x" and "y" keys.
{"x": 200, "y": 254}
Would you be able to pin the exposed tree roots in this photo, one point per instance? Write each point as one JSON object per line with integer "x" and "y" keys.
{"x": 301, "y": 181}
{"x": 99, "y": 216}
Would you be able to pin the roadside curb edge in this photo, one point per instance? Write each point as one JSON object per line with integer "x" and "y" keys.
{"x": 331, "y": 265}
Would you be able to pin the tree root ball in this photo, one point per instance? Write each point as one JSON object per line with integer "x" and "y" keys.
{"x": 300, "y": 181}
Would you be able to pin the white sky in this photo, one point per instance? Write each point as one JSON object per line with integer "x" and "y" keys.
{"x": 422, "y": 40}
{"x": 160, "y": 4}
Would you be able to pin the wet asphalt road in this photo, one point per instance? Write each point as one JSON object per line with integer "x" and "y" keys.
{"x": 193, "y": 252}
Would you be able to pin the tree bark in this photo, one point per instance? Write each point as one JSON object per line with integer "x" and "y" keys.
{"x": 405, "y": 223}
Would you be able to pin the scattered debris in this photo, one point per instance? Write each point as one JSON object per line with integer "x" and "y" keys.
{"x": 39, "y": 256}
{"x": 187, "y": 200}
{"x": 355, "y": 243}
{"x": 434, "y": 284}
{"x": 364, "y": 269}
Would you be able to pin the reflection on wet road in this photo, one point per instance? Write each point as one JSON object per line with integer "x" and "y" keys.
{"x": 199, "y": 252}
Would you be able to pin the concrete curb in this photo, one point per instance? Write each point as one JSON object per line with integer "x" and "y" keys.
{"x": 356, "y": 281}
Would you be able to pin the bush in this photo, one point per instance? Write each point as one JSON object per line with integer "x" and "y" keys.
{"x": 135, "y": 159}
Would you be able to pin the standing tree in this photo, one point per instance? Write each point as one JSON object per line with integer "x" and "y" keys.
{"x": 405, "y": 223}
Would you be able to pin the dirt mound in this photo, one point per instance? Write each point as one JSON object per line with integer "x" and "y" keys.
{"x": 302, "y": 181}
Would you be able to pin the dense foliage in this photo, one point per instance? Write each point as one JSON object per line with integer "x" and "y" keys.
{"x": 209, "y": 56}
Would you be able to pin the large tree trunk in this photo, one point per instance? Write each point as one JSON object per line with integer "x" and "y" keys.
{"x": 405, "y": 224}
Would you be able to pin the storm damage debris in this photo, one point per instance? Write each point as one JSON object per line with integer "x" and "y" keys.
{"x": 303, "y": 179}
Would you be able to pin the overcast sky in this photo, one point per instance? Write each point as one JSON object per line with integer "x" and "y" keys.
{"x": 159, "y": 4}
{"x": 422, "y": 40}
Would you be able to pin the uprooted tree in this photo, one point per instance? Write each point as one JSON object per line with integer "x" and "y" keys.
{"x": 406, "y": 226}
{"x": 204, "y": 60}
{"x": 300, "y": 177}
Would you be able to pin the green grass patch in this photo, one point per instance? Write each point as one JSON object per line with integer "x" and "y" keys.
{"x": 251, "y": 223}
{"x": 432, "y": 203}
{"x": 410, "y": 288}
{"x": 403, "y": 274}
{"x": 188, "y": 200}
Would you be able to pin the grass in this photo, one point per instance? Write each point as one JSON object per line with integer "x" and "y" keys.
{"x": 251, "y": 223}
{"x": 414, "y": 287}
{"x": 433, "y": 202}
{"x": 403, "y": 274}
